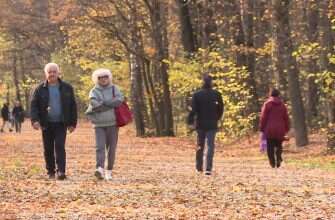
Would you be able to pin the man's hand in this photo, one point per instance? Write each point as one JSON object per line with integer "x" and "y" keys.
{"x": 36, "y": 125}
{"x": 71, "y": 129}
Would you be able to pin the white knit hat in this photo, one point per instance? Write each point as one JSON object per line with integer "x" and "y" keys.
{"x": 101, "y": 72}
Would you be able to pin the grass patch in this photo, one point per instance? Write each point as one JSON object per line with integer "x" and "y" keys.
{"x": 17, "y": 163}
{"x": 313, "y": 163}
{"x": 34, "y": 170}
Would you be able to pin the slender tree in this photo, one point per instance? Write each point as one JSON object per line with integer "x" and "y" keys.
{"x": 281, "y": 15}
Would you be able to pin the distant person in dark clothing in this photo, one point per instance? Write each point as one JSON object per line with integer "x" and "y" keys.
{"x": 54, "y": 109}
{"x": 274, "y": 124}
{"x": 18, "y": 115}
{"x": 5, "y": 118}
{"x": 207, "y": 110}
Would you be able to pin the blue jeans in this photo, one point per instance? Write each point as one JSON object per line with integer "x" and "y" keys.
{"x": 202, "y": 136}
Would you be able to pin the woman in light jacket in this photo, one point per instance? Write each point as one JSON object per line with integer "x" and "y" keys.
{"x": 103, "y": 99}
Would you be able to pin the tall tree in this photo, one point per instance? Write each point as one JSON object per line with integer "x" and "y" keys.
{"x": 262, "y": 41}
{"x": 281, "y": 16}
{"x": 245, "y": 52}
{"x": 136, "y": 76}
{"x": 247, "y": 17}
{"x": 311, "y": 15}
{"x": 327, "y": 48}
{"x": 158, "y": 15}
{"x": 277, "y": 53}
{"x": 187, "y": 33}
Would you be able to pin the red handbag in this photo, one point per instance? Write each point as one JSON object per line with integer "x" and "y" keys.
{"x": 122, "y": 113}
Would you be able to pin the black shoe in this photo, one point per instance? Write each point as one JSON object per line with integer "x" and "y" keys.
{"x": 273, "y": 165}
{"x": 10, "y": 130}
{"x": 279, "y": 163}
{"x": 61, "y": 176}
{"x": 279, "y": 160}
{"x": 51, "y": 175}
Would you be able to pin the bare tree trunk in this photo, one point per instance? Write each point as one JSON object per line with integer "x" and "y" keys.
{"x": 136, "y": 94}
{"x": 15, "y": 73}
{"x": 239, "y": 35}
{"x": 277, "y": 54}
{"x": 151, "y": 96}
{"x": 187, "y": 34}
{"x": 207, "y": 25}
{"x": 306, "y": 34}
{"x": 281, "y": 15}
{"x": 169, "y": 131}
{"x": 327, "y": 44}
{"x": 247, "y": 17}
{"x": 159, "y": 25}
{"x": 262, "y": 28}
{"x": 244, "y": 40}
{"x": 312, "y": 67}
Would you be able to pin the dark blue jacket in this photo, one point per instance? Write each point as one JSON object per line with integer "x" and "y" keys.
{"x": 40, "y": 103}
{"x": 5, "y": 113}
{"x": 207, "y": 109}
{"x": 18, "y": 113}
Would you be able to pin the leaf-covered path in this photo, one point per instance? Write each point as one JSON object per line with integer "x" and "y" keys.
{"x": 154, "y": 178}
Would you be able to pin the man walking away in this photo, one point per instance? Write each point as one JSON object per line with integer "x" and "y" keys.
{"x": 207, "y": 110}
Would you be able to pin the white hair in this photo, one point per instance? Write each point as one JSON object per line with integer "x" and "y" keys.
{"x": 49, "y": 66}
{"x": 101, "y": 72}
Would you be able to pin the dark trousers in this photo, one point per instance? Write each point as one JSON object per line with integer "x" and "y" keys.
{"x": 274, "y": 150}
{"x": 202, "y": 136}
{"x": 54, "y": 137}
{"x": 18, "y": 125}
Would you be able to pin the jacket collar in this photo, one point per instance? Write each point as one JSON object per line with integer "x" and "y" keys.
{"x": 46, "y": 84}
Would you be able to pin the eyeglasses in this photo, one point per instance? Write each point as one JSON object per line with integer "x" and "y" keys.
{"x": 103, "y": 77}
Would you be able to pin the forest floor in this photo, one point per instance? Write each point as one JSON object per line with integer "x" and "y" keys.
{"x": 154, "y": 178}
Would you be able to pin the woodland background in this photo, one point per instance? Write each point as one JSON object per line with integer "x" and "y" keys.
{"x": 159, "y": 49}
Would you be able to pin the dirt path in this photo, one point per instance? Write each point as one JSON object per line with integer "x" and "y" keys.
{"x": 154, "y": 178}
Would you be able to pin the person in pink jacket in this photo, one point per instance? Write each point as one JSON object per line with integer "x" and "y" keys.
{"x": 274, "y": 124}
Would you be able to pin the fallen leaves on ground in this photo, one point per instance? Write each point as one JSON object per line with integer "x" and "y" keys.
{"x": 154, "y": 178}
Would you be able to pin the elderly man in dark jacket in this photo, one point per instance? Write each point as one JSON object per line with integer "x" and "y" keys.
{"x": 54, "y": 110}
{"x": 207, "y": 110}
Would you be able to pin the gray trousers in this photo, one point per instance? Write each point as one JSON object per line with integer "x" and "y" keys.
{"x": 106, "y": 139}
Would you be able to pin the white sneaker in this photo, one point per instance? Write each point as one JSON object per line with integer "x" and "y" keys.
{"x": 108, "y": 175}
{"x": 99, "y": 173}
